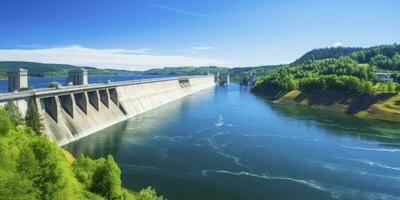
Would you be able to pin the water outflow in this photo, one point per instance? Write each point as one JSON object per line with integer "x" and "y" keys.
{"x": 73, "y": 116}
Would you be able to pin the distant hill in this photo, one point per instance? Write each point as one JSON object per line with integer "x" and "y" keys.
{"x": 385, "y": 57}
{"x": 324, "y": 53}
{"x": 186, "y": 70}
{"x": 205, "y": 69}
{"x": 43, "y": 69}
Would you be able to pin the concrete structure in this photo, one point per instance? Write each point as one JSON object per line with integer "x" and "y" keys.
{"x": 384, "y": 76}
{"x": 17, "y": 79}
{"x": 248, "y": 80}
{"x": 252, "y": 80}
{"x": 221, "y": 80}
{"x": 70, "y": 113}
{"x": 77, "y": 77}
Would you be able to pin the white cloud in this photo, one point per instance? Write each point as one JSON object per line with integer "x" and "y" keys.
{"x": 337, "y": 44}
{"x": 203, "y": 48}
{"x": 139, "y": 59}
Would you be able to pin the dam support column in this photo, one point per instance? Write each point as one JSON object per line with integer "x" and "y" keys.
{"x": 104, "y": 97}
{"x": 51, "y": 107}
{"x": 93, "y": 97}
{"x": 67, "y": 103}
{"x": 113, "y": 96}
{"x": 81, "y": 101}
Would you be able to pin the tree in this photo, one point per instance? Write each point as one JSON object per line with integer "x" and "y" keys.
{"x": 84, "y": 168}
{"x": 396, "y": 62}
{"x": 5, "y": 122}
{"x": 106, "y": 180}
{"x": 148, "y": 194}
{"x": 381, "y": 61}
{"x": 51, "y": 179}
{"x": 391, "y": 87}
{"x": 33, "y": 119}
{"x": 13, "y": 113}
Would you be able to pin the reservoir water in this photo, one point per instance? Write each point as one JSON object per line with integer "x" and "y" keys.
{"x": 227, "y": 143}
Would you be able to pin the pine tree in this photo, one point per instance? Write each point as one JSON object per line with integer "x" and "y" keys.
{"x": 14, "y": 114}
{"x": 32, "y": 118}
{"x": 5, "y": 123}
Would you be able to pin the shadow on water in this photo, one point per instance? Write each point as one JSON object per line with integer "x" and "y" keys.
{"x": 340, "y": 124}
{"x": 129, "y": 132}
{"x": 101, "y": 145}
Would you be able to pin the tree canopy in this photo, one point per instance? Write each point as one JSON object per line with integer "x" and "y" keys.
{"x": 343, "y": 73}
{"x": 33, "y": 167}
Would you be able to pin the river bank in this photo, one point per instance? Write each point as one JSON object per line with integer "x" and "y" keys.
{"x": 382, "y": 107}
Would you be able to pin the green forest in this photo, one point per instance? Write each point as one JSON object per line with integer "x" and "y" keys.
{"x": 33, "y": 167}
{"x": 346, "y": 69}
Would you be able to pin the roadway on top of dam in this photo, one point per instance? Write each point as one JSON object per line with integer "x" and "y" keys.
{"x": 46, "y": 92}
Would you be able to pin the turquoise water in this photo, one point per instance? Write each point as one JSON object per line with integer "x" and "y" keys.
{"x": 226, "y": 143}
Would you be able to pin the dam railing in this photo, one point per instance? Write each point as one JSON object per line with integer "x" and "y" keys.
{"x": 43, "y": 92}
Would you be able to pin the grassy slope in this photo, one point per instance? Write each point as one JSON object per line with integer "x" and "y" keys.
{"x": 384, "y": 107}
{"x": 70, "y": 158}
{"x": 388, "y": 110}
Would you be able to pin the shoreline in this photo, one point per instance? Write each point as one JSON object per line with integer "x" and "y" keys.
{"x": 383, "y": 107}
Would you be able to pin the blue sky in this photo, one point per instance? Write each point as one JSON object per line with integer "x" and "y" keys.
{"x": 154, "y": 33}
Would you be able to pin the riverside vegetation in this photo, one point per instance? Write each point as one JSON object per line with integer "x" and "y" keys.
{"x": 340, "y": 79}
{"x": 33, "y": 167}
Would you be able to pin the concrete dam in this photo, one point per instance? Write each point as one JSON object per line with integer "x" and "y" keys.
{"x": 73, "y": 112}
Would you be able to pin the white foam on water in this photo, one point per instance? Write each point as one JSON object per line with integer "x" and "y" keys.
{"x": 372, "y": 163}
{"x": 123, "y": 165}
{"x": 310, "y": 183}
{"x": 220, "y": 152}
{"x": 334, "y": 191}
{"x": 163, "y": 137}
{"x": 266, "y": 135}
{"x": 220, "y": 121}
{"x": 371, "y": 149}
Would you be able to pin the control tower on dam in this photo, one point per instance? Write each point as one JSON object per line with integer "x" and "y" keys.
{"x": 73, "y": 112}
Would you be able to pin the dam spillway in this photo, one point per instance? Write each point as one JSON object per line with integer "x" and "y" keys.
{"x": 70, "y": 113}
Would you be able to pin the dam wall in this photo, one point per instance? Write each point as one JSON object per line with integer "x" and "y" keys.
{"x": 135, "y": 99}
{"x": 72, "y": 113}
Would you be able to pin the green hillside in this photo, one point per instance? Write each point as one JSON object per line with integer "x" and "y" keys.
{"x": 385, "y": 57}
{"x": 345, "y": 82}
{"x": 324, "y": 53}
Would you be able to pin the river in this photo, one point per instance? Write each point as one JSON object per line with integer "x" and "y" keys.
{"x": 227, "y": 143}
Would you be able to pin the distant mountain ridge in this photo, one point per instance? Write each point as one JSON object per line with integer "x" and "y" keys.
{"x": 362, "y": 55}
{"x": 44, "y": 69}
{"x": 329, "y": 52}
